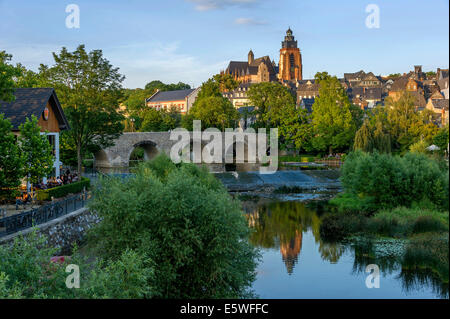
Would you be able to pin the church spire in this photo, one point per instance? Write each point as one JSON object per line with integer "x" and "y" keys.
{"x": 251, "y": 57}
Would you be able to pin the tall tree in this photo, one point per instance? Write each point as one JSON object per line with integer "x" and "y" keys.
{"x": 408, "y": 125}
{"x": 271, "y": 101}
{"x": 364, "y": 138}
{"x": 36, "y": 150}
{"x": 26, "y": 78}
{"x": 11, "y": 160}
{"x": 7, "y": 74}
{"x": 216, "y": 85}
{"x": 333, "y": 124}
{"x": 214, "y": 111}
{"x": 89, "y": 88}
{"x": 441, "y": 139}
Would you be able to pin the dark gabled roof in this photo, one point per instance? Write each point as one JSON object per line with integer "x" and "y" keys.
{"x": 246, "y": 109}
{"x": 440, "y": 104}
{"x": 241, "y": 68}
{"x": 307, "y": 103}
{"x": 443, "y": 73}
{"x": 420, "y": 99}
{"x": 167, "y": 96}
{"x": 303, "y": 86}
{"x": 401, "y": 82}
{"x": 32, "y": 101}
{"x": 443, "y": 83}
{"x": 354, "y": 76}
{"x": 365, "y": 93}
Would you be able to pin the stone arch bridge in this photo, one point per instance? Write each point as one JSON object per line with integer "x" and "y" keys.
{"x": 153, "y": 143}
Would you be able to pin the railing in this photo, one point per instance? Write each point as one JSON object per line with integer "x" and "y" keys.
{"x": 335, "y": 163}
{"x": 43, "y": 214}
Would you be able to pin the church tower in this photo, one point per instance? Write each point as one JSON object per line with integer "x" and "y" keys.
{"x": 251, "y": 57}
{"x": 290, "y": 59}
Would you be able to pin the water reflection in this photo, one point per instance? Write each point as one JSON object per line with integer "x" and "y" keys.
{"x": 281, "y": 225}
{"x": 292, "y": 230}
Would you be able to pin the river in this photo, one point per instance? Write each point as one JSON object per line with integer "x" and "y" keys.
{"x": 297, "y": 263}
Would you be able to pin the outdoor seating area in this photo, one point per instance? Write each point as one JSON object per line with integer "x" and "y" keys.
{"x": 65, "y": 179}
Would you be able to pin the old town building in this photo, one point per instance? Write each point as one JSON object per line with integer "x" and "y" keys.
{"x": 290, "y": 66}
{"x": 253, "y": 70}
{"x": 264, "y": 70}
{"x": 409, "y": 83}
{"x": 44, "y": 104}
{"x": 179, "y": 100}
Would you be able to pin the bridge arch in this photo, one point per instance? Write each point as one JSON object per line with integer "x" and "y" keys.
{"x": 102, "y": 159}
{"x": 149, "y": 147}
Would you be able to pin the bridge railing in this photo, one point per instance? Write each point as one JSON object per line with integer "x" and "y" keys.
{"x": 43, "y": 214}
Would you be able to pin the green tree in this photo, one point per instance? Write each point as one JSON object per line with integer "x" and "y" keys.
{"x": 270, "y": 100}
{"x": 333, "y": 124}
{"x": 363, "y": 138}
{"x": 7, "y": 74}
{"x": 441, "y": 139}
{"x": 160, "y": 120}
{"x": 27, "y": 78}
{"x": 216, "y": 85}
{"x": 381, "y": 138}
{"x": 11, "y": 160}
{"x": 36, "y": 150}
{"x": 184, "y": 220}
{"x": 152, "y": 121}
{"x": 406, "y": 124}
{"x": 158, "y": 85}
{"x": 419, "y": 147}
{"x": 215, "y": 111}
{"x": 89, "y": 89}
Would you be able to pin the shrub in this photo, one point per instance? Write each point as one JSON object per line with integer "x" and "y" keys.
{"x": 182, "y": 218}
{"x": 25, "y": 265}
{"x": 61, "y": 191}
{"x": 338, "y": 226}
{"x": 27, "y": 272}
{"x": 352, "y": 203}
{"x": 125, "y": 278}
{"x": 393, "y": 181}
{"x": 402, "y": 221}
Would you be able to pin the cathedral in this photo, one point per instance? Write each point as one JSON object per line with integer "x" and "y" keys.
{"x": 262, "y": 69}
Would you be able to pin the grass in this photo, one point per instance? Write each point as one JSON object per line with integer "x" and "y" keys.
{"x": 399, "y": 222}
{"x": 351, "y": 203}
{"x": 410, "y": 215}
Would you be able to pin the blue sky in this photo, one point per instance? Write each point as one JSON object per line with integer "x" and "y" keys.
{"x": 190, "y": 40}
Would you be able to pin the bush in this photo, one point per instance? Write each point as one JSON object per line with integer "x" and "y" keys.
{"x": 61, "y": 191}
{"x": 27, "y": 272}
{"x": 393, "y": 181}
{"x": 338, "y": 226}
{"x": 352, "y": 203}
{"x": 183, "y": 219}
{"x": 402, "y": 221}
{"x": 125, "y": 278}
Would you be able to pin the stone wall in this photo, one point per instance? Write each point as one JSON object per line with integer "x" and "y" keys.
{"x": 62, "y": 232}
